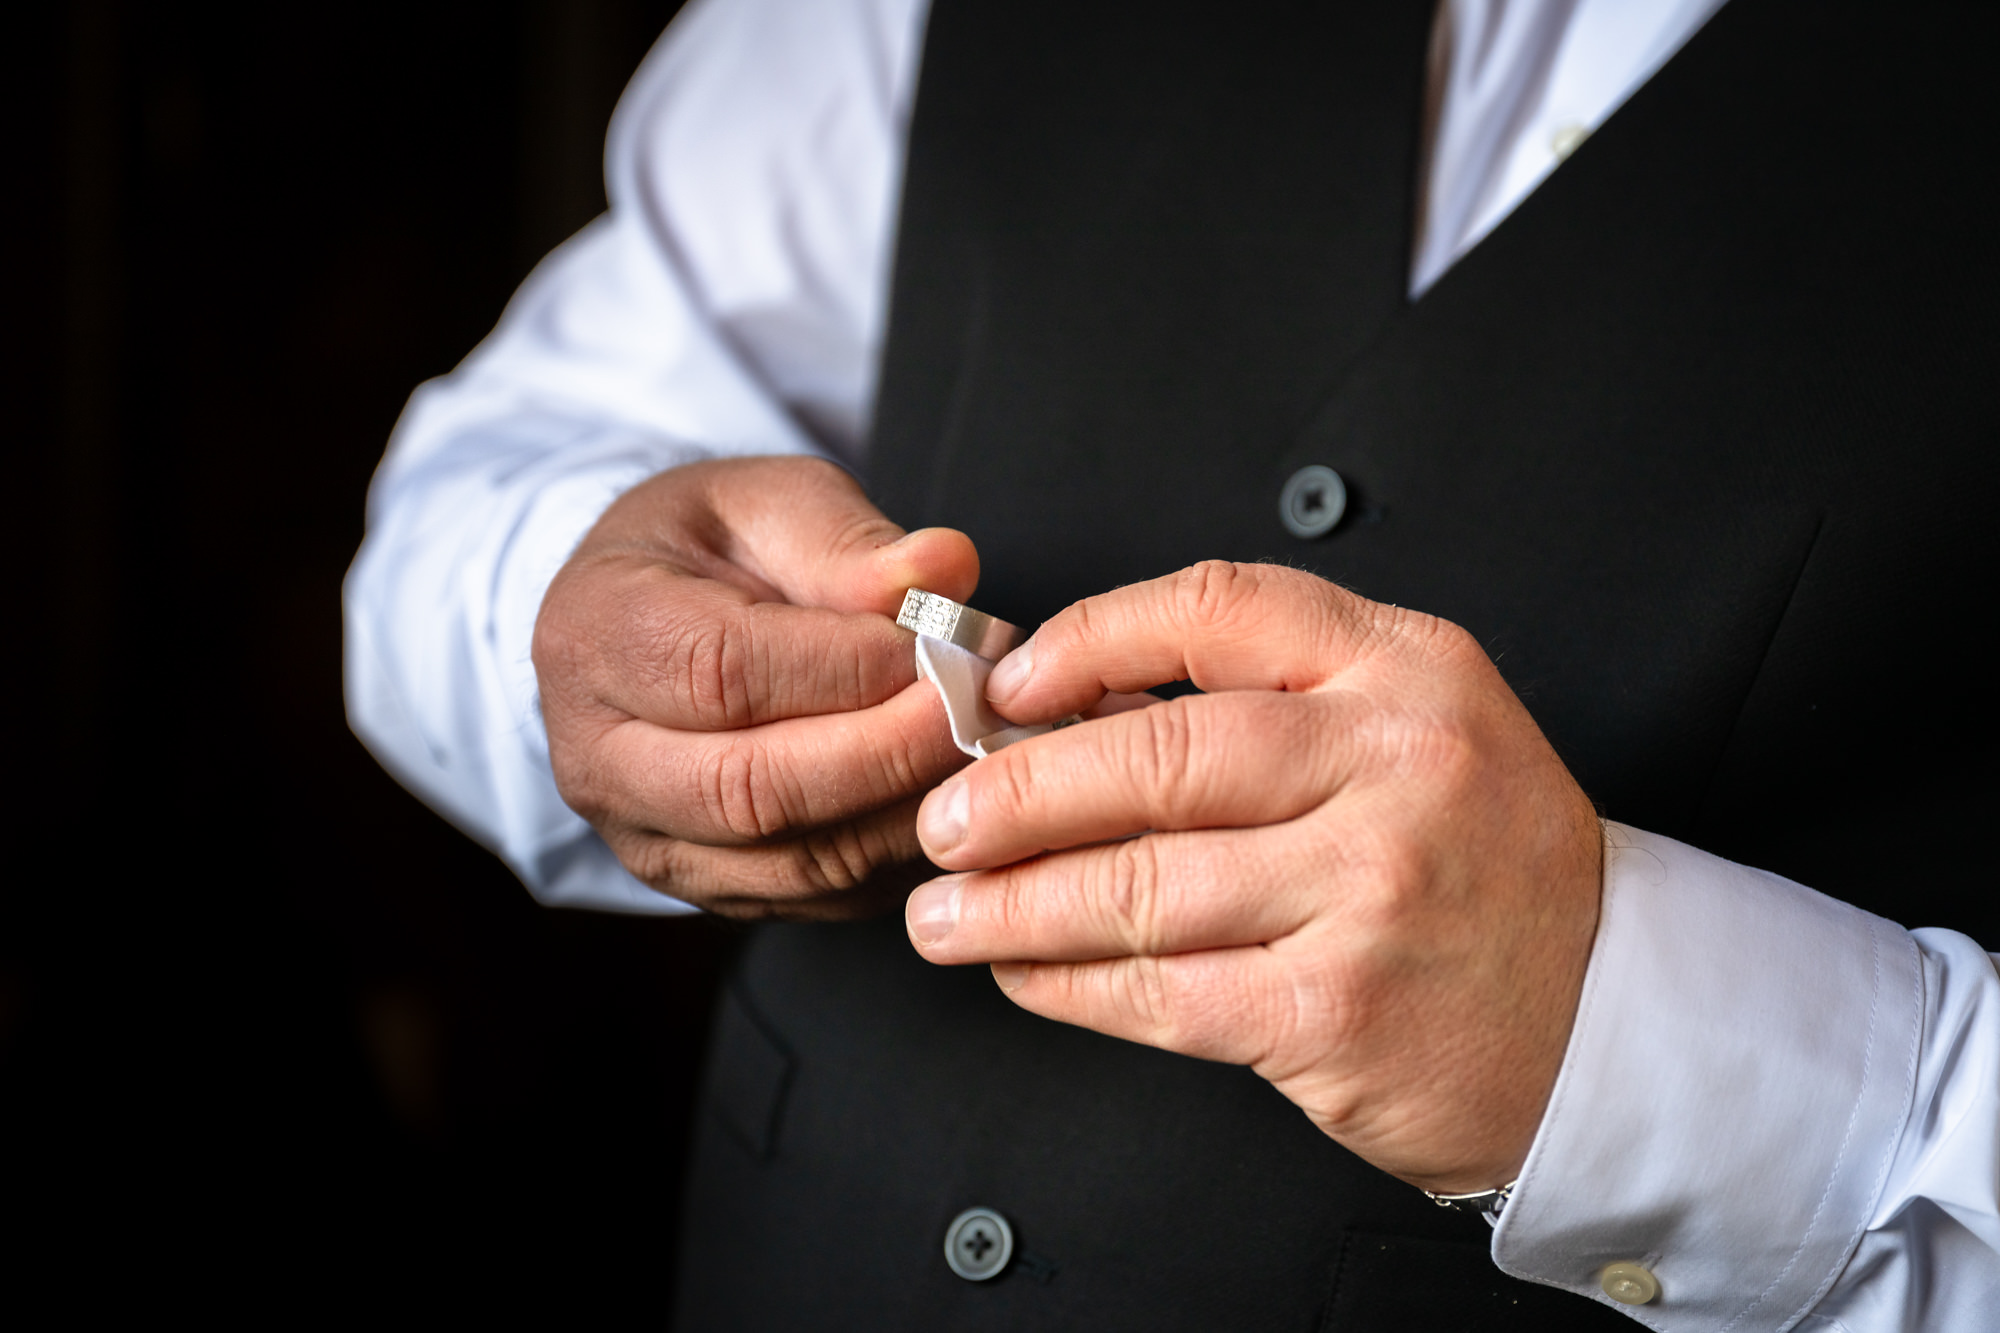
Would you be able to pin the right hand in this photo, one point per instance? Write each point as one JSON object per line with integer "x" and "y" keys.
{"x": 728, "y": 699}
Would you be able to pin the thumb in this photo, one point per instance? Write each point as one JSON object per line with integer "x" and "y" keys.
{"x": 808, "y": 530}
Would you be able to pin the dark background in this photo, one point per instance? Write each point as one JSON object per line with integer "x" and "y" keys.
{"x": 261, "y": 1013}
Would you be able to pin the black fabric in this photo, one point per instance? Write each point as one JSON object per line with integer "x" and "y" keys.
{"x": 747, "y": 1093}
{"x": 1384, "y": 1282}
{"x": 1700, "y": 442}
{"x": 1146, "y": 1191}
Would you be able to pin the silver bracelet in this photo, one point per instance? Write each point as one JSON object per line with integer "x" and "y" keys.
{"x": 1487, "y": 1203}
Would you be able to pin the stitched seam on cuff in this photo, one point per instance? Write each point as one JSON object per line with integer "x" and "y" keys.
{"x": 1846, "y": 1141}
{"x": 1891, "y": 1143}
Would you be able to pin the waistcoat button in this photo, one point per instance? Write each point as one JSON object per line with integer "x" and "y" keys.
{"x": 1312, "y": 502}
{"x": 978, "y": 1244}
{"x": 1628, "y": 1283}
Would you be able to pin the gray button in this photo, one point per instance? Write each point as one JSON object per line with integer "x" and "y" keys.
{"x": 1312, "y": 502}
{"x": 978, "y": 1244}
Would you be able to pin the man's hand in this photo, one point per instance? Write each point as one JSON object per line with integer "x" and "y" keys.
{"x": 728, "y": 701}
{"x": 1368, "y": 876}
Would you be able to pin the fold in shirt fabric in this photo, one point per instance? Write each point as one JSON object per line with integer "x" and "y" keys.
{"x": 1791, "y": 1107}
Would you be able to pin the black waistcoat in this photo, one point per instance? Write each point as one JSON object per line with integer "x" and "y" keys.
{"x": 1700, "y": 442}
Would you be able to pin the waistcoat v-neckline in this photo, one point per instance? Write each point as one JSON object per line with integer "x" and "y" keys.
{"x": 1152, "y": 260}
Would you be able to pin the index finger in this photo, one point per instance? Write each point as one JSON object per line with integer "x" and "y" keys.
{"x": 696, "y": 654}
{"x": 1236, "y": 760}
{"x": 1224, "y": 626}
{"x": 737, "y": 788}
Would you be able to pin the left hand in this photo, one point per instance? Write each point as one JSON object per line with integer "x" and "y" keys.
{"x": 1362, "y": 870}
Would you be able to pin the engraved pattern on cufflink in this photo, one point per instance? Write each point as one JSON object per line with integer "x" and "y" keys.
{"x": 974, "y": 631}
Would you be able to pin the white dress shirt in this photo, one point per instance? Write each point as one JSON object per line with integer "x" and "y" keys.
{"x": 1786, "y": 1109}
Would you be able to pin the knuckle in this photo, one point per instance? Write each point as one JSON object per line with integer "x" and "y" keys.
{"x": 1276, "y": 1012}
{"x": 741, "y": 792}
{"x": 835, "y": 859}
{"x": 1452, "y": 637}
{"x": 556, "y": 647}
{"x": 1011, "y": 905}
{"x": 1385, "y": 895}
{"x": 585, "y": 777}
{"x": 806, "y": 471}
{"x": 720, "y": 660}
{"x": 1433, "y": 638}
{"x": 1161, "y": 758}
{"x": 905, "y": 760}
{"x": 1213, "y": 590}
{"x": 703, "y": 662}
{"x": 1143, "y": 994}
{"x": 1446, "y": 642}
{"x": 584, "y": 596}
{"x": 1082, "y": 623}
{"x": 1004, "y": 788}
{"x": 1127, "y": 898}
{"x": 577, "y": 784}
{"x": 653, "y": 859}
{"x": 913, "y": 761}
{"x": 1452, "y": 755}
{"x": 1441, "y": 750}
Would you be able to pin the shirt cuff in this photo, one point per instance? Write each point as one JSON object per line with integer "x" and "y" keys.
{"x": 1736, "y": 1083}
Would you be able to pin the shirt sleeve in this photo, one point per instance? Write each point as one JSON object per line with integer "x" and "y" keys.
{"x": 1783, "y": 1107}
{"x": 730, "y": 303}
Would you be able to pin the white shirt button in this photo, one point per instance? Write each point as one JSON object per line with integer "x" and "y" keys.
{"x": 1566, "y": 140}
{"x": 1629, "y": 1283}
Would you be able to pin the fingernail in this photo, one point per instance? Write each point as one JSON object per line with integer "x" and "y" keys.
{"x": 933, "y": 909}
{"x": 1010, "y": 975}
{"x": 1012, "y": 673}
{"x": 941, "y": 819}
